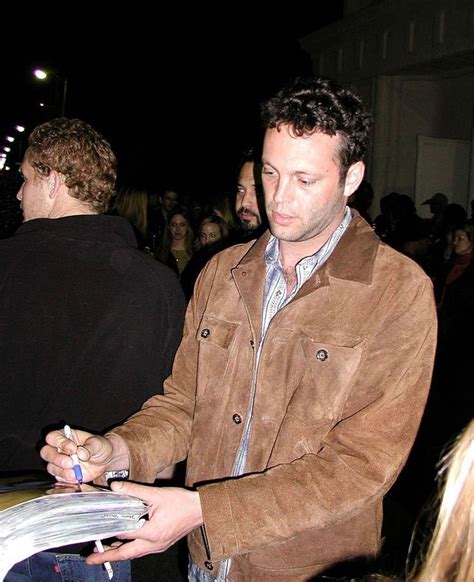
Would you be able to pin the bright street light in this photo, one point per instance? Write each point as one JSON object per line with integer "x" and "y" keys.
{"x": 20, "y": 128}
{"x": 42, "y": 75}
{"x": 10, "y": 138}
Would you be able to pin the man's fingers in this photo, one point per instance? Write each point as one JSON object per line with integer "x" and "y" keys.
{"x": 144, "y": 492}
{"x": 64, "y": 476}
{"x": 51, "y": 455}
{"x": 112, "y": 546}
{"x": 127, "y": 551}
{"x": 54, "y": 438}
{"x": 95, "y": 449}
{"x": 144, "y": 533}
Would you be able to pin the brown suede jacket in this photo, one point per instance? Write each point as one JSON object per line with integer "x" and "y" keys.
{"x": 341, "y": 386}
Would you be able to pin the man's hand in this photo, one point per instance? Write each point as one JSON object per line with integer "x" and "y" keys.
{"x": 173, "y": 513}
{"x": 95, "y": 454}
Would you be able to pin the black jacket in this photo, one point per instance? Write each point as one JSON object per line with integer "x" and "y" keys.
{"x": 88, "y": 329}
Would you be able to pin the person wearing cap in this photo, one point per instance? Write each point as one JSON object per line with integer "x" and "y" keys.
{"x": 437, "y": 204}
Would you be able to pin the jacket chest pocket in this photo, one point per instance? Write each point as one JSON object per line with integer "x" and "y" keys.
{"x": 216, "y": 339}
{"x": 330, "y": 367}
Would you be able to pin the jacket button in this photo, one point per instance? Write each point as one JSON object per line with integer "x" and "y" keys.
{"x": 237, "y": 418}
{"x": 322, "y": 355}
{"x": 205, "y": 333}
{"x": 244, "y": 273}
{"x": 252, "y": 343}
{"x": 208, "y": 565}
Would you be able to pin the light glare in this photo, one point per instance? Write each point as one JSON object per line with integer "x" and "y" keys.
{"x": 40, "y": 74}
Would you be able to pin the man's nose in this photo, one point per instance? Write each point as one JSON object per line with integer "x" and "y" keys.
{"x": 281, "y": 191}
{"x": 249, "y": 199}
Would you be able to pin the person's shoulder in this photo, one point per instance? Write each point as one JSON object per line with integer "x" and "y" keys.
{"x": 374, "y": 257}
{"x": 235, "y": 251}
{"x": 401, "y": 265}
{"x": 220, "y": 265}
{"x": 26, "y": 239}
{"x": 387, "y": 256}
{"x": 230, "y": 257}
{"x": 147, "y": 264}
{"x": 156, "y": 281}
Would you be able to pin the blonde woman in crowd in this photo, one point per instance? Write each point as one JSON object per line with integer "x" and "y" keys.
{"x": 212, "y": 230}
{"x": 132, "y": 205}
{"x": 213, "y": 236}
{"x": 450, "y": 553}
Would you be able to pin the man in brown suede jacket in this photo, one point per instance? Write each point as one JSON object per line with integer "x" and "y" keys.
{"x": 301, "y": 379}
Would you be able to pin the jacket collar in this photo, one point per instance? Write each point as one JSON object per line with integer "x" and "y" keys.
{"x": 249, "y": 278}
{"x": 352, "y": 259}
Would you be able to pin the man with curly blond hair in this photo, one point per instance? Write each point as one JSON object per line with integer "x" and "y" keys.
{"x": 89, "y": 323}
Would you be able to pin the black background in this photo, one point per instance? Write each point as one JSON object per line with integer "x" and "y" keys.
{"x": 177, "y": 95}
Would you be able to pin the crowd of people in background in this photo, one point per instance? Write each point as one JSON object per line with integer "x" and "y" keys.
{"x": 184, "y": 234}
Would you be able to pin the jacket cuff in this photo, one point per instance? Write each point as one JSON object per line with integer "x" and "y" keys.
{"x": 139, "y": 466}
{"x": 219, "y": 525}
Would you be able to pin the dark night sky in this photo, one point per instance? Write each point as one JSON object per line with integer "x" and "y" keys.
{"x": 178, "y": 101}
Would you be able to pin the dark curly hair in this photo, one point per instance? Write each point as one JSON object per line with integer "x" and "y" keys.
{"x": 73, "y": 148}
{"x": 312, "y": 105}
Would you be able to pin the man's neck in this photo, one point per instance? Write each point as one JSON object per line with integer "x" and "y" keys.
{"x": 291, "y": 252}
{"x": 73, "y": 210}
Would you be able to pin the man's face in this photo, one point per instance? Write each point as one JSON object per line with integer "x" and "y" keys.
{"x": 33, "y": 194}
{"x": 304, "y": 196}
{"x": 169, "y": 200}
{"x": 246, "y": 205}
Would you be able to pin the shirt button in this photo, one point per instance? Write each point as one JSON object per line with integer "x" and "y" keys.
{"x": 208, "y": 565}
{"x": 322, "y": 355}
{"x": 237, "y": 418}
{"x": 244, "y": 273}
{"x": 205, "y": 333}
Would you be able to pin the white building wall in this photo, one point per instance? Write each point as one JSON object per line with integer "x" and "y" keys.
{"x": 413, "y": 63}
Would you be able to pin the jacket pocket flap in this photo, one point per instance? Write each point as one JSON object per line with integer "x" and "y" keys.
{"x": 216, "y": 331}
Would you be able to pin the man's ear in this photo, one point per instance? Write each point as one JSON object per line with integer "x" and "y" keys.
{"x": 54, "y": 182}
{"x": 354, "y": 177}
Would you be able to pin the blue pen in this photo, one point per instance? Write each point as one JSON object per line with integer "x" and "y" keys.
{"x": 74, "y": 457}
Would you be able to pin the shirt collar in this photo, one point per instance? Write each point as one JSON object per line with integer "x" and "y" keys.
{"x": 272, "y": 251}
